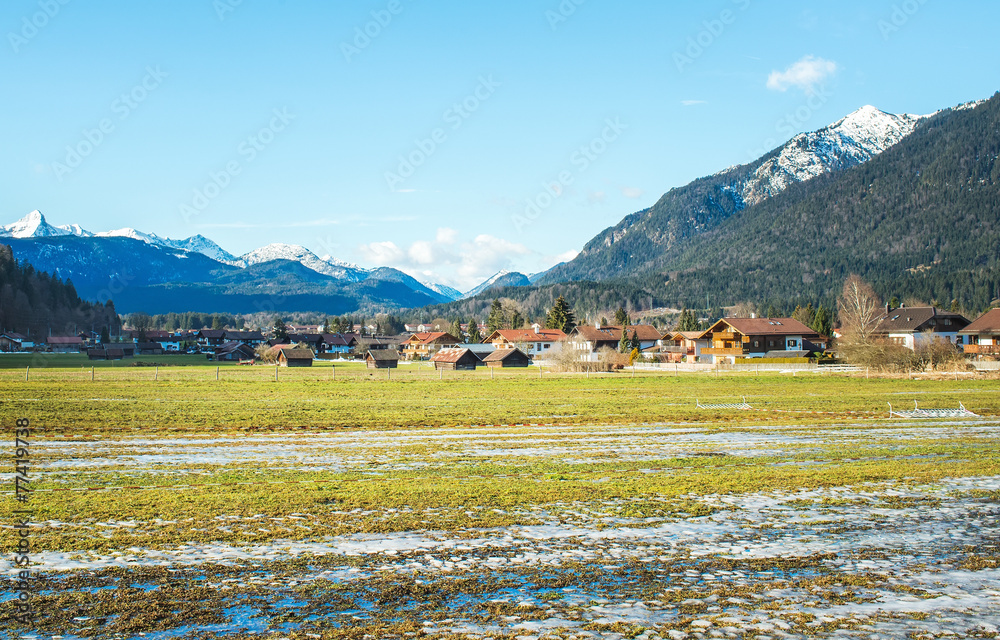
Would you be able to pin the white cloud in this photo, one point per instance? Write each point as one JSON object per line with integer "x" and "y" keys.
{"x": 446, "y": 235}
{"x": 382, "y": 253}
{"x": 445, "y": 260}
{"x": 632, "y": 192}
{"x": 804, "y": 74}
{"x": 567, "y": 256}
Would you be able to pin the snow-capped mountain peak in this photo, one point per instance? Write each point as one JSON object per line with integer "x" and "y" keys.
{"x": 305, "y": 257}
{"x": 33, "y": 225}
{"x": 852, "y": 140}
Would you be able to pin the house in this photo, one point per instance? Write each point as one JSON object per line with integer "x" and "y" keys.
{"x": 421, "y": 346}
{"x": 250, "y": 338}
{"x": 733, "y": 338}
{"x": 235, "y": 351}
{"x": 110, "y": 352}
{"x": 65, "y": 344}
{"x": 506, "y": 358}
{"x": 382, "y": 359}
{"x": 982, "y": 336}
{"x": 913, "y": 327}
{"x": 587, "y": 340}
{"x": 534, "y": 341}
{"x": 11, "y": 342}
{"x": 211, "y": 337}
{"x": 684, "y": 346}
{"x": 295, "y": 357}
{"x": 480, "y": 349}
{"x": 337, "y": 343}
{"x": 456, "y": 360}
{"x": 149, "y": 348}
{"x": 311, "y": 339}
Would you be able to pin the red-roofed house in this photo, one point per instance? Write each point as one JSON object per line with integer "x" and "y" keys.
{"x": 11, "y": 342}
{"x": 534, "y": 342}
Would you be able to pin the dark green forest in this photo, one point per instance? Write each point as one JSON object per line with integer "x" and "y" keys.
{"x": 37, "y": 305}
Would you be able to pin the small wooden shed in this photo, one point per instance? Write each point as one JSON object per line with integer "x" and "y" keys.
{"x": 506, "y": 358}
{"x": 295, "y": 358}
{"x": 456, "y": 360}
{"x": 382, "y": 359}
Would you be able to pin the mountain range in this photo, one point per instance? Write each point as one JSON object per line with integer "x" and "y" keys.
{"x": 785, "y": 226}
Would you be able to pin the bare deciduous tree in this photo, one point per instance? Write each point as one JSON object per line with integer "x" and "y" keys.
{"x": 860, "y": 310}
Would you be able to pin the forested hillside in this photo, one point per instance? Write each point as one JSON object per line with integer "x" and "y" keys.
{"x": 35, "y": 304}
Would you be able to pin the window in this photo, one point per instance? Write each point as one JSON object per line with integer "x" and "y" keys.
{"x": 756, "y": 344}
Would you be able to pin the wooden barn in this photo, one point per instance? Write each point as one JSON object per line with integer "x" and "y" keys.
{"x": 456, "y": 360}
{"x": 295, "y": 358}
{"x": 504, "y": 358}
{"x": 382, "y": 359}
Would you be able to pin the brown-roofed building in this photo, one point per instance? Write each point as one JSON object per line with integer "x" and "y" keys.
{"x": 251, "y": 338}
{"x": 149, "y": 348}
{"x": 684, "y": 346}
{"x": 587, "y": 340}
{"x": 982, "y": 336}
{"x": 456, "y": 359}
{"x": 65, "y": 344}
{"x": 211, "y": 337}
{"x": 733, "y": 338}
{"x": 382, "y": 359}
{"x": 421, "y": 346}
{"x": 295, "y": 357}
{"x": 534, "y": 342}
{"x": 11, "y": 342}
{"x": 506, "y": 358}
{"x": 235, "y": 351}
{"x": 110, "y": 352}
{"x": 912, "y": 327}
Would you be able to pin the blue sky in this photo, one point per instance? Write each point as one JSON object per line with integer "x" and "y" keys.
{"x": 415, "y": 135}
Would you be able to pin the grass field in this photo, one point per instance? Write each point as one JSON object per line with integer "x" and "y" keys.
{"x": 339, "y": 503}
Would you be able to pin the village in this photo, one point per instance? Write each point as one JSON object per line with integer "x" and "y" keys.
{"x": 729, "y": 341}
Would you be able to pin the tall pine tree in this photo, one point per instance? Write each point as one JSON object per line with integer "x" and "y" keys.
{"x": 560, "y": 316}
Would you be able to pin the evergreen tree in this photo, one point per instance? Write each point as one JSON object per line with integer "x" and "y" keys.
{"x": 635, "y": 344}
{"x": 496, "y": 318}
{"x": 688, "y": 321}
{"x": 474, "y": 336}
{"x": 217, "y": 323}
{"x": 823, "y": 323}
{"x": 456, "y": 329}
{"x": 105, "y": 335}
{"x": 624, "y": 345}
{"x": 280, "y": 331}
{"x": 621, "y": 317}
{"x": 604, "y": 321}
{"x": 560, "y": 316}
{"x": 517, "y": 320}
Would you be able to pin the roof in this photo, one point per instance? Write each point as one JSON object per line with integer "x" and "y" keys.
{"x": 766, "y": 327}
{"x": 244, "y": 335}
{"x": 645, "y": 332}
{"x": 910, "y": 319}
{"x": 297, "y": 354}
{"x": 688, "y": 335}
{"x": 453, "y": 355}
{"x": 14, "y": 336}
{"x": 502, "y": 354}
{"x": 305, "y": 337}
{"x": 65, "y": 340}
{"x": 593, "y": 334}
{"x": 212, "y": 334}
{"x": 382, "y": 355}
{"x": 528, "y": 335}
{"x": 338, "y": 339}
{"x": 430, "y": 337}
{"x": 148, "y": 345}
{"x": 989, "y": 322}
